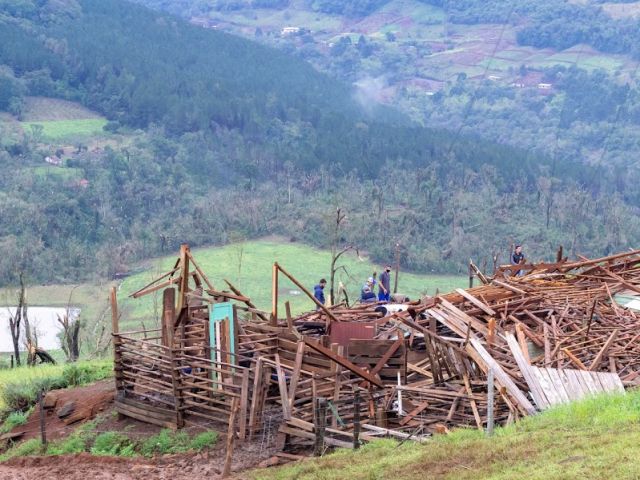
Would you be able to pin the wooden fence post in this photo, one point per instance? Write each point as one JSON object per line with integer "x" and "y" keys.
{"x": 231, "y": 431}
{"x": 490, "y": 402}
{"x": 117, "y": 354}
{"x": 43, "y": 428}
{"x": 356, "y": 420}
{"x": 320, "y": 425}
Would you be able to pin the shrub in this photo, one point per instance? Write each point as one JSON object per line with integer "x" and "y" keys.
{"x": 30, "y": 447}
{"x": 13, "y": 420}
{"x": 166, "y": 442}
{"x": 71, "y": 444}
{"x": 204, "y": 440}
{"x": 113, "y": 443}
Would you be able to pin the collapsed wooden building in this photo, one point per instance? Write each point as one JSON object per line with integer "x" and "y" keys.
{"x": 337, "y": 376}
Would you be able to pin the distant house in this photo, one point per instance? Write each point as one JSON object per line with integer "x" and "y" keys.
{"x": 200, "y": 22}
{"x": 545, "y": 86}
{"x": 83, "y": 183}
{"x": 53, "y": 161}
{"x": 289, "y": 31}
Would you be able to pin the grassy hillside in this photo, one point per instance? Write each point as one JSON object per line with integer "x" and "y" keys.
{"x": 68, "y": 129}
{"x": 248, "y": 266}
{"x": 593, "y": 439}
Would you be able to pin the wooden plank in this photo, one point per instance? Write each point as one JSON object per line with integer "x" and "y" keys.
{"x": 282, "y": 386}
{"x": 603, "y": 350}
{"x": 414, "y": 412}
{"x": 536, "y": 391}
{"x": 345, "y": 363}
{"x": 546, "y": 386}
{"x": 558, "y": 384}
{"x": 577, "y": 388}
{"x": 486, "y": 361}
{"x": 482, "y": 306}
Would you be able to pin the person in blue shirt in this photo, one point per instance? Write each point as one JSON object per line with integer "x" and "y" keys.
{"x": 318, "y": 291}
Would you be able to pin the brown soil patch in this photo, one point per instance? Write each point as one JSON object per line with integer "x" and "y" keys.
{"x": 89, "y": 401}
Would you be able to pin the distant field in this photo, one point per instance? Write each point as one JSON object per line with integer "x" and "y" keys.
{"x": 248, "y": 267}
{"x": 40, "y": 109}
{"x": 65, "y": 129}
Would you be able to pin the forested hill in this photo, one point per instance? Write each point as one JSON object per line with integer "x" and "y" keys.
{"x": 221, "y": 138}
{"x": 140, "y": 67}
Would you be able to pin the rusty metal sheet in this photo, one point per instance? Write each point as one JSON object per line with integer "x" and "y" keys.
{"x": 342, "y": 332}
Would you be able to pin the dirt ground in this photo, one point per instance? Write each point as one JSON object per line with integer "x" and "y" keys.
{"x": 174, "y": 467}
{"x": 205, "y": 465}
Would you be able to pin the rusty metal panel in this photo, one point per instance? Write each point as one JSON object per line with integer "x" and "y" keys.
{"x": 342, "y": 332}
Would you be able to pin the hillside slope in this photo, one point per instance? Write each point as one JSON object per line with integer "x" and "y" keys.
{"x": 591, "y": 439}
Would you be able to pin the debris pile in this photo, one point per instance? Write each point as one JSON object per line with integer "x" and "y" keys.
{"x": 341, "y": 375}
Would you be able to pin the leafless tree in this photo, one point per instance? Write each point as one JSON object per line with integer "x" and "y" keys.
{"x": 15, "y": 320}
{"x": 337, "y": 252}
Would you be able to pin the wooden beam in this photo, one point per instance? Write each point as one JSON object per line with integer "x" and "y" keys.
{"x": 307, "y": 292}
{"x": 248, "y": 302}
{"x": 603, "y": 350}
{"x": 485, "y": 308}
{"x": 345, "y": 363}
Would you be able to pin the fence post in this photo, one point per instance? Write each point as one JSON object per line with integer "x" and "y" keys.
{"x": 231, "y": 431}
{"x": 43, "y": 428}
{"x": 320, "y": 425}
{"x": 356, "y": 420}
{"x": 490, "y": 402}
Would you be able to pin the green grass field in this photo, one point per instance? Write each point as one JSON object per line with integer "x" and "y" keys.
{"x": 27, "y": 376}
{"x": 597, "y": 438}
{"x": 65, "y": 129}
{"x": 248, "y": 266}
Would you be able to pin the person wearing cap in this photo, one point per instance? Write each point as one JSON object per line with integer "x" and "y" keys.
{"x": 368, "y": 296}
{"x": 370, "y": 283}
{"x": 384, "y": 290}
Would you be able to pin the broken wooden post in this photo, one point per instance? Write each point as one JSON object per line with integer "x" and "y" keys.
{"x": 470, "y": 274}
{"x": 117, "y": 353}
{"x": 395, "y": 279}
{"x": 490, "y": 402}
{"x": 168, "y": 316}
{"x": 184, "y": 277}
{"x": 43, "y": 428}
{"x": 356, "y": 420}
{"x": 226, "y": 471}
{"x": 274, "y": 295}
{"x": 320, "y": 425}
{"x": 287, "y": 308}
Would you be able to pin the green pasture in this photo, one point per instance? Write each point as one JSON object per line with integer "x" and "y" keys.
{"x": 65, "y": 129}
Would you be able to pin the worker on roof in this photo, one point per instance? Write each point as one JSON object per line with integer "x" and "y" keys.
{"x": 318, "y": 291}
{"x": 517, "y": 258}
{"x": 384, "y": 290}
{"x": 368, "y": 295}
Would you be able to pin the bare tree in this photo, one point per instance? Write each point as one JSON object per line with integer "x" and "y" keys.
{"x": 70, "y": 341}
{"x": 337, "y": 252}
{"x": 15, "y": 320}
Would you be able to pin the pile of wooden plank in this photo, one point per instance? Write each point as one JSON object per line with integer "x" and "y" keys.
{"x": 345, "y": 374}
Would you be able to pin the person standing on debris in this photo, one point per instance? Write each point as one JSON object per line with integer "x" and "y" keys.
{"x": 517, "y": 258}
{"x": 318, "y": 291}
{"x": 384, "y": 291}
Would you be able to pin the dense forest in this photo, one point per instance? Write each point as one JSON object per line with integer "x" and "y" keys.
{"x": 231, "y": 139}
